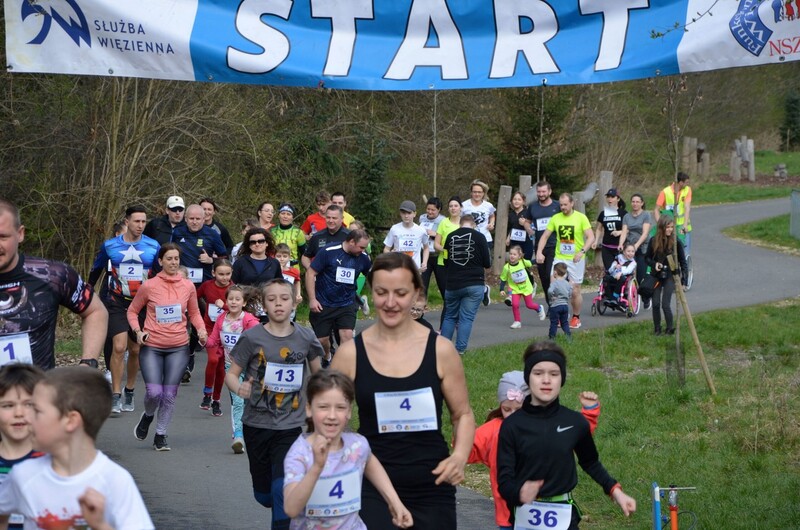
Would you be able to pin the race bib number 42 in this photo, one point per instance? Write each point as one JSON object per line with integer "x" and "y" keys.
{"x": 414, "y": 410}
{"x": 543, "y": 516}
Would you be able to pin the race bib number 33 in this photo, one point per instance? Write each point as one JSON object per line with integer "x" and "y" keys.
{"x": 414, "y": 410}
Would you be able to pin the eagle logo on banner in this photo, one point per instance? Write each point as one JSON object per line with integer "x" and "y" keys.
{"x": 77, "y": 28}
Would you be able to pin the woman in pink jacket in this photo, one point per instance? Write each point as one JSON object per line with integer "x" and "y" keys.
{"x": 165, "y": 342}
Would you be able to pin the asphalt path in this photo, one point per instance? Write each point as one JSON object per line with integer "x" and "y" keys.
{"x": 202, "y": 484}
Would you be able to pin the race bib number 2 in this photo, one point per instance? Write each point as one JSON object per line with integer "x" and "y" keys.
{"x": 543, "y": 516}
{"x": 15, "y": 349}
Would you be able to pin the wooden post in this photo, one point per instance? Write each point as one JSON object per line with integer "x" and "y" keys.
{"x": 682, "y": 299}
{"x": 751, "y": 159}
{"x": 685, "y": 154}
{"x": 691, "y": 157}
{"x": 500, "y": 229}
{"x": 524, "y": 183}
{"x": 580, "y": 206}
{"x": 705, "y": 165}
{"x": 606, "y": 182}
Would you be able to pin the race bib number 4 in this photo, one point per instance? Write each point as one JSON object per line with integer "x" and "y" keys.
{"x": 168, "y": 314}
{"x": 345, "y": 275}
{"x": 335, "y": 495}
{"x": 414, "y": 410}
{"x": 15, "y": 349}
{"x": 283, "y": 378}
{"x": 543, "y": 516}
{"x": 131, "y": 272}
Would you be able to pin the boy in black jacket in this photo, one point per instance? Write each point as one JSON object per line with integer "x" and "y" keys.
{"x": 536, "y": 469}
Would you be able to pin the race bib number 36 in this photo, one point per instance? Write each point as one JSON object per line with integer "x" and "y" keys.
{"x": 335, "y": 495}
{"x": 283, "y": 378}
{"x": 15, "y": 349}
{"x": 414, "y": 410}
{"x": 543, "y": 516}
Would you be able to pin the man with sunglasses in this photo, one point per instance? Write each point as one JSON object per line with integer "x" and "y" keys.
{"x": 160, "y": 228}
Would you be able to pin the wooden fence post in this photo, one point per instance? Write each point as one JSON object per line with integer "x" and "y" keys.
{"x": 500, "y": 229}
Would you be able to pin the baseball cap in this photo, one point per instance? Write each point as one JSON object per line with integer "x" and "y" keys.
{"x": 408, "y": 206}
{"x": 612, "y": 192}
{"x": 175, "y": 202}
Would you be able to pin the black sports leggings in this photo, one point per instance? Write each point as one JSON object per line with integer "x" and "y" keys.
{"x": 662, "y": 300}
{"x": 162, "y": 369}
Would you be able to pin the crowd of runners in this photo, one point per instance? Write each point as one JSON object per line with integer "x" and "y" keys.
{"x": 178, "y": 283}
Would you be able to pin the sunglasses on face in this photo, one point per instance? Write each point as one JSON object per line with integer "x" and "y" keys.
{"x": 176, "y": 209}
{"x": 258, "y": 241}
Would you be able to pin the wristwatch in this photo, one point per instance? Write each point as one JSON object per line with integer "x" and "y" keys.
{"x": 89, "y": 362}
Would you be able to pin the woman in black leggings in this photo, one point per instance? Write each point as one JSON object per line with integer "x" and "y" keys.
{"x": 658, "y": 249}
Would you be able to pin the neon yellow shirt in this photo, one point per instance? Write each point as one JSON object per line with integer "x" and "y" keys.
{"x": 569, "y": 232}
{"x": 516, "y": 277}
{"x": 445, "y": 227}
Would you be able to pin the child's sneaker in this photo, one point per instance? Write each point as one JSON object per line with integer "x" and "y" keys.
{"x": 516, "y": 325}
{"x": 507, "y": 301}
{"x": 541, "y": 313}
{"x": 237, "y": 445}
{"x": 160, "y": 443}
{"x": 206, "y": 403}
{"x": 364, "y": 303}
{"x": 216, "y": 410}
{"x": 486, "y": 298}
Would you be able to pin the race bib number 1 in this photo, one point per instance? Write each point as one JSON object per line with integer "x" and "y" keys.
{"x": 414, "y": 410}
{"x": 543, "y": 516}
{"x": 15, "y": 349}
{"x": 195, "y": 274}
{"x": 335, "y": 495}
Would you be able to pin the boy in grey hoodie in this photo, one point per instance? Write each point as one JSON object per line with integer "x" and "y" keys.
{"x": 560, "y": 291}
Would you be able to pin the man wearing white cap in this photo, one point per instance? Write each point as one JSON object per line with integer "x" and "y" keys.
{"x": 160, "y": 228}
{"x": 408, "y": 237}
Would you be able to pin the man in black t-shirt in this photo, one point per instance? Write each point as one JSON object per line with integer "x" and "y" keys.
{"x": 538, "y": 214}
{"x": 31, "y": 291}
{"x": 335, "y": 233}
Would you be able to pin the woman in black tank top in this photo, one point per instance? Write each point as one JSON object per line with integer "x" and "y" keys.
{"x": 403, "y": 373}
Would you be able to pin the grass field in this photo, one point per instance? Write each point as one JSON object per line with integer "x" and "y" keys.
{"x": 768, "y": 232}
{"x": 740, "y": 448}
{"x": 767, "y": 160}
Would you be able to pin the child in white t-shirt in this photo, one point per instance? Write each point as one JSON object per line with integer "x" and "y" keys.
{"x": 74, "y": 485}
{"x": 408, "y": 237}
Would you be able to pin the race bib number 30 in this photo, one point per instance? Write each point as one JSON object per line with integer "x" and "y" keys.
{"x": 414, "y": 410}
{"x": 543, "y": 516}
{"x": 345, "y": 275}
{"x": 283, "y": 378}
{"x": 335, "y": 495}
{"x": 15, "y": 349}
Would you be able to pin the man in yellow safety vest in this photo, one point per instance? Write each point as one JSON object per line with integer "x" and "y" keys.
{"x": 677, "y": 204}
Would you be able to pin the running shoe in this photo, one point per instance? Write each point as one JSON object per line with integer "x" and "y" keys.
{"x": 364, "y": 305}
{"x": 216, "y": 410}
{"x": 542, "y": 314}
{"x": 575, "y": 323}
{"x": 206, "y": 403}
{"x": 516, "y": 325}
{"x": 108, "y": 376}
{"x": 508, "y": 301}
{"x": 187, "y": 376}
{"x": 160, "y": 443}
{"x": 127, "y": 404}
{"x": 648, "y": 303}
{"x": 237, "y": 446}
{"x": 486, "y": 297}
{"x": 140, "y": 431}
{"x": 116, "y": 403}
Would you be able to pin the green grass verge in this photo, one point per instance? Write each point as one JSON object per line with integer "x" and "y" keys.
{"x": 771, "y": 232}
{"x": 740, "y": 448}
{"x": 724, "y": 192}
{"x": 767, "y": 160}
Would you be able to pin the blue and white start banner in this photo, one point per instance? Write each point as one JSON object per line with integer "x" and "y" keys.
{"x": 398, "y": 44}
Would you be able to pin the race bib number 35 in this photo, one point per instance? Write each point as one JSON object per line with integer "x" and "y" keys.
{"x": 335, "y": 495}
{"x": 414, "y": 410}
{"x": 168, "y": 314}
{"x": 543, "y": 516}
